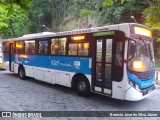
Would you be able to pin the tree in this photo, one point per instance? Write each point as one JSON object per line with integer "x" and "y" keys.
{"x": 23, "y": 4}
{"x": 119, "y": 13}
{"x": 152, "y": 14}
{"x": 111, "y": 2}
{"x": 3, "y": 17}
{"x": 16, "y": 24}
{"x": 10, "y": 12}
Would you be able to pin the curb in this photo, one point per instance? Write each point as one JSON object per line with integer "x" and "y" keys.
{"x": 157, "y": 86}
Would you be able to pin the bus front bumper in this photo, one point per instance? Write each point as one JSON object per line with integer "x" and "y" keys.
{"x": 132, "y": 94}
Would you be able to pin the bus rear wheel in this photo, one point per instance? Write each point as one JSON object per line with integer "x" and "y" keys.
{"x": 82, "y": 86}
{"x": 22, "y": 73}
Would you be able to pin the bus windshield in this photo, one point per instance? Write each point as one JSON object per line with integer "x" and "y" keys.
{"x": 140, "y": 55}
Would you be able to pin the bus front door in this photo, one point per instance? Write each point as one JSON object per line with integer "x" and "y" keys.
{"x": 11, "y": 56}
{"x": 103, "y": 65}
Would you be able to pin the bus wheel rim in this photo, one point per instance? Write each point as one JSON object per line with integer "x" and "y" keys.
{"x": 81, "y": 86}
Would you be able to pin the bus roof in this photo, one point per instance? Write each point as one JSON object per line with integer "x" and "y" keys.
{"x": 78, "y": 31}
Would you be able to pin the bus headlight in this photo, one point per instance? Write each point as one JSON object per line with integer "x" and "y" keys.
{"x": 131, "y": 83}
{"x": 137, "y": 87}
{"x": 134, "y": 85}
{"x": 138, "y": 65}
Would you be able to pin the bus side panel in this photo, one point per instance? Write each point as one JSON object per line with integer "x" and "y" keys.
{"x": 42, "y": 71}
{"x": 119, "y": 88}
{"x": 6, "y": 61}
{"x": 71, "y": 64}
{"x": 55, "y": 69}
{"x": 28, "y": 61}
{"x": 67, "y": 67}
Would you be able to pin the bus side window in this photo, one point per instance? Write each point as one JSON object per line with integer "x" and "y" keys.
{"x": 118, "y": 57}
{"x": 30, "y": 47}
{"x": 43, "y": 47}
{"x": 54, "y": 46}
{"x": 80, "y": 49}
{"x": 62, "y": 46}
{"x": 72, "y": 49}
{"x": 5, "y": 47}
{"x": 19, "y": 47}
{"x": 83, "y": 49}
{"x": 58, "y": 46}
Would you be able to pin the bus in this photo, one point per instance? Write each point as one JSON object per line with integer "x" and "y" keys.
{"x": 114, "y": 60}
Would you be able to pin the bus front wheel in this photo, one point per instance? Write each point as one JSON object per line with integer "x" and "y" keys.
{"x": 82, "y": 86}
{"x": 22, "y": 73}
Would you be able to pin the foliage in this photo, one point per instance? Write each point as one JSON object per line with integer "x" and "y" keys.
{"x": 19, "y": 17}
{"x": 111, "y": 2}
{"x": 152, "y": 15}
{"x": 13, "y": 17}
{"x": 23, "y": 4}
{"x": 85, "y": 12}
{"x": 3, "y": 17}
{"x": 119, "y": 13}
{"x": 17, "y": 23}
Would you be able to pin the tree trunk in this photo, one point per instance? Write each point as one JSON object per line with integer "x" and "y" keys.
{"x": 13, "y": 31}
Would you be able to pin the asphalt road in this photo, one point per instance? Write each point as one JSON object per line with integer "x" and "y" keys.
{"x": 34, "y": 95}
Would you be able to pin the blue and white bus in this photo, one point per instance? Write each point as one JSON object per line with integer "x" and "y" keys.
{"x": 115, "y": 60}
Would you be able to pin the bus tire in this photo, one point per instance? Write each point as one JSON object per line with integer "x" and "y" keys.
{"x": 21, "y": 72}
{"x": 82, "y": 86}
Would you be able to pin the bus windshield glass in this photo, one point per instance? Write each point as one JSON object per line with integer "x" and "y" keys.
{"x": 140, "y": 55}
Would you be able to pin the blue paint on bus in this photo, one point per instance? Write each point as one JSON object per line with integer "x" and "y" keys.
{"x": 141, "y": 83}
{"x": 5, "y": 57}
{"x": 70, "y": 64}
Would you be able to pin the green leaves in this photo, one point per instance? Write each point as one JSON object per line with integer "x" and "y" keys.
{"x": 3, "y": 17}
{"x": 28, "y": 16}
{"x": 152, "y": 16}
{"x": 85, "y": 12}
{"x": 111, "y": 2}
{"x": 13, "y": 24}
{"x": 13, "y": 13}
